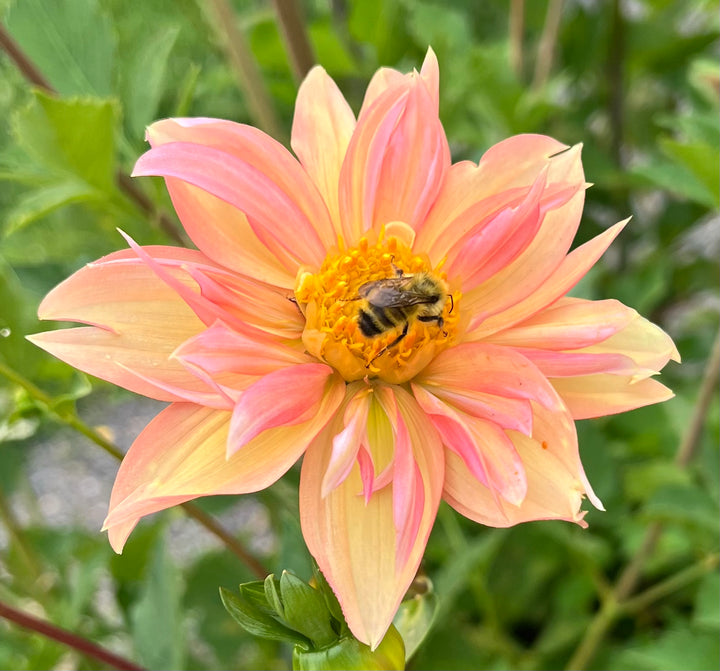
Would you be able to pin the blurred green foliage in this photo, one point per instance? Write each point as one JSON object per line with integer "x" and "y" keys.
{"x": 635, "y": 80}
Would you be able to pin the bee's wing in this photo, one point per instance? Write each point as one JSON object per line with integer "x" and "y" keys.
{"x": 393, "y": 293}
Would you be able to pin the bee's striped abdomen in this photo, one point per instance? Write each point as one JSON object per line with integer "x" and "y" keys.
{"x": 374, "y": 321}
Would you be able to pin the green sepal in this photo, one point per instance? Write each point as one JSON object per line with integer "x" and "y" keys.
{"x": 415, "y": 615}
{"x": 257, "y": 622}
{"x": 323, "y": 586}
{"x": 271, "y": 587}
{"x": 305, "y": 610}
{"x": 348, "y": 653}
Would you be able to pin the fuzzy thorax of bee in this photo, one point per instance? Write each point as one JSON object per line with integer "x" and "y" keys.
{"x": 361, "y": 318}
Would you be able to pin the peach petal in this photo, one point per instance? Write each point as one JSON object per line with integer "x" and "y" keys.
{"x": 569, "y": 364}
{"x": 353, "y": 542}
{"x": 508, "y": 413}
{"x": 260, "y": 151}
{"x": 285, "y": 397}
{"x": 129, "y": 308}
{"x": 471, "y": 193}
{"x": 556, "y": 481}
{"x": 483, "y": 446}
{"x": 569, "y": 323}
{"x": 644, "y": 342}
{"x": 414, "y": 163}
{"x": 244, "y": 350}
{"x": 499, "y": 241}
{"x": 230, "y": 239}
{"x": 362, "y": 167}
{"x": 380, "y": 82}
{"x": 590, "y": 396}
{"x": 499, "y": 308}
{"x": 347, "y": 443}
{"x": 181, "y": 455}
{"x": 480, "y": 367}
{"x": 322, "y": 127}
{"x": 269, "y": 208}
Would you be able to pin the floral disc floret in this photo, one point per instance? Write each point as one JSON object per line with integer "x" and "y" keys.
{"x": 332, "y": 299}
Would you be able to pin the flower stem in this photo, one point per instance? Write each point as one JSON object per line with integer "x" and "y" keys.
{"x": 243, "y": 63}
{"x": 123, "y": 180}
{"x": 618, "y": 601}
{"x": 294, "y": 32}
{"x": 70, "y": 418}
{"x": 548, "y": 42}
{"x": 517, "y": 28}
{"x": 672, "y": 584}
{"x": 67, "y": 638}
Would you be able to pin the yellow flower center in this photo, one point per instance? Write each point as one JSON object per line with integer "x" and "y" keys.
{"x": 377, "y": 310}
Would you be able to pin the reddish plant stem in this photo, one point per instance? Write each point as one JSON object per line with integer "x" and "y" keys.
{"x": 67, "y": 638}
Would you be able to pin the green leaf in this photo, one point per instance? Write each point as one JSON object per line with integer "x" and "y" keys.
{"x": 258, "y": 623}
{"x": 146, "y": 79}
{"x": 706, "y": 614}
{"x": 156, "y": 618}
{"x": 41, "y": 201}
{"x": 73, "y": 136}
{"x": 70, "y": 41}
{"x": 305, "y": 609}
{"x": 415, "y": 617}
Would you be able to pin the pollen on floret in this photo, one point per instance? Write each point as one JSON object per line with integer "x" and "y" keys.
{"x": 330, "y": 300}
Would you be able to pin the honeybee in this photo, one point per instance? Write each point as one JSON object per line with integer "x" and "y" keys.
{"x": 395, "y": 301}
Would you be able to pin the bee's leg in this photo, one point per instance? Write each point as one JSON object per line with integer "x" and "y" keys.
{"x": 392, "y": 344}
{"x": 428, "y": 318}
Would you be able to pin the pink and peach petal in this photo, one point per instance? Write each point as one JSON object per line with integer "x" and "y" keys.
{"x": 322, "y": 127}
{"x": 347, "y": 444}
{"x": 501, "y": 308}
{"x": 129, "y": 308}
{"x": 362, "y": 167}
{"x": 570, "y": 364}
{"x": 483, "y": 446}
{"x": 258, "y": 150}
{"x": 499, "y": 241}
{"x": 556, "y": 481}
{"x": 383, "y": 80}
{"x": 605, "y": 394}
{"x": 414, "y": 163}
{"x": 340, "y": 527}
{"x": 567, "y": 324}
{"x": 230, "y": 241}
{"x": 489, "y": 369}
{"x": 549, "y": 497}
{"x": 181, "y": 455}
{"x": 285, "y": 397}
{"x": 471, "y": 193}
{"x": 641, "y": 340}
{"x": 271, "y": 210}
{"x": 241, "y": 350}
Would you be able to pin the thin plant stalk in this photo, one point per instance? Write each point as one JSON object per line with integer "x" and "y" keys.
{"x": 243, "y": 64}
{"x": 78, "y": 643}
{"x": 548, "y": 43}
{"x": 517, "y": 28}
{"x": 616, "y": 602}
{"x": 295, "y": 35}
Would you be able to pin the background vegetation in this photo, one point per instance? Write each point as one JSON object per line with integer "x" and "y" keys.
{"x": 635, "y": 80}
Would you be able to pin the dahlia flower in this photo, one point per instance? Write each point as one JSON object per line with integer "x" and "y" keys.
{"x": 254, "y": 339}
